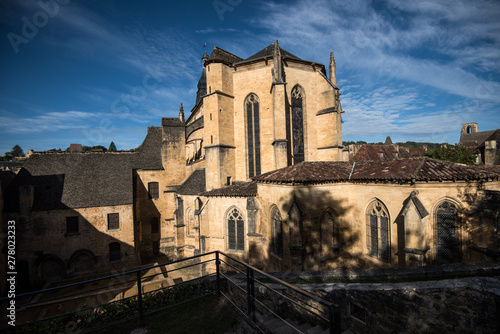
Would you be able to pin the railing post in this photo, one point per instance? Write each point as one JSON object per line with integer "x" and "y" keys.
{"x": 139, "y": 296}
{"x": 334, "y": 319}
{"x": 250, "y": 294}
{"x": 217, "y": 268}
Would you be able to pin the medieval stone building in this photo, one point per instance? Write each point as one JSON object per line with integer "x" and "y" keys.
{"x": 256, "y": 170}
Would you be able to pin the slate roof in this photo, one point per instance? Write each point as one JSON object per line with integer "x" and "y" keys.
{"x": 219, "y": 55}
{"x": 380, "y": 152}
{"x": 79, "y": 180}
{"x": 269, "y": 52}
{"x": 399, "y": 171}
{"x": 237, "y": 189}
{"x": 472, "y": 140}
{"x": 194, "y": 184}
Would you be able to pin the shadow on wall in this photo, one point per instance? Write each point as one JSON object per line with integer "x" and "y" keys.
{"x": 55, "y": 242}
{"x": 147, "y": 218}
{"x": 314, "y": 234}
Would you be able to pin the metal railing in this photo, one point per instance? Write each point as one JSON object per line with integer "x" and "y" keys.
{"x": 133, "y": 295}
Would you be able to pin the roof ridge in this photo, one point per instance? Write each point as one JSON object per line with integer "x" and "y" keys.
{"x": 232, "y": 54}
{"x": 419, "y": 168}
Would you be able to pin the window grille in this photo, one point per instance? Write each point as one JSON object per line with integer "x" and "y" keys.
{"x": 153, "y": 190}
{"x": 113, "y": 221}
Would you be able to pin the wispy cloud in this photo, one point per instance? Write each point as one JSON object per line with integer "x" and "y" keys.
{"x": 51, "y": 121}
{"x": 394, "y": 41}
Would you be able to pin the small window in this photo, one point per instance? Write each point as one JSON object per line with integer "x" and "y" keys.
{"x": 114, "y": 251}
{"x": 72, "y": 225}
{"x": 153, "y": 190}
{"x": 113, "y": 221}
{"x": 155, "y": 225}
{"x": 228, "y": 180}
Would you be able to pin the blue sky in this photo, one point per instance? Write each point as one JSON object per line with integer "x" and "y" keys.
{"x": 92, "y": 72}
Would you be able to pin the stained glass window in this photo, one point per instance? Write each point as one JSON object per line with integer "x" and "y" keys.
{"x": 377, "y": 231}
{"x": 253, "y": 134}
{"x": 297, "y": 124}
{"x": 446, "y": 225}
{"x": 235, "y": 231}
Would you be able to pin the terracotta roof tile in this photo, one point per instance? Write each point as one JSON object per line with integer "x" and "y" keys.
{"x": 380, "y": 152}
{"x": 237, "y": 189}
{"x": 398, "y": 170}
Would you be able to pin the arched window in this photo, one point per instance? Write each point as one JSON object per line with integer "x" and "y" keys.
{"x": 114, "y": 251}
{"x": 469, "y": 129}
{"x": 277, "y": 231}
{"x": 377, "y": 231}
{"x": 235, "y": 230}
{"x": 446, "y": 233}
{"x": 329, "y": 234}
{"x": 253, "y": 134}
{"x": 297, "y": 124}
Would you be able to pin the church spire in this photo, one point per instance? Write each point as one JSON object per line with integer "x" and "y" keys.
{"x": 181, "y": 113}
{"x": 333, "y": 69}
{"x": 278, "y": 67}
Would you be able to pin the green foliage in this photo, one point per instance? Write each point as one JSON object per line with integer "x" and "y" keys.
{"x": 457, "y": 154}
{"x": 90, "y": 148}
{"x": 112, "y": 147}
{"x": 359, "y": 142}
{"x": 16, "y": 151}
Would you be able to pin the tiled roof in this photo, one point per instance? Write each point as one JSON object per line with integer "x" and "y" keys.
{"x": 80, "y": 180}
{"x": 222, "y": 56}
{"x": 416, "y": 151}
{"x": 194, "y": 184}
{"x": 380, "y": 152}
{"x": 398, "y": 170}
{"x": 237, "y": 189}
{"x": 310, "y": 171}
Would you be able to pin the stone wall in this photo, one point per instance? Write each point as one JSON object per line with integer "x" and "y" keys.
{"x": 465, "y": 305}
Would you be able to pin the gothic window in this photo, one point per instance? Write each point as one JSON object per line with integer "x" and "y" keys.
{"x": 72, "y": 225}
{"x": 446, "y": 226}
{"x": 235, "y": 230}
{"x": 277, "y": 231}
{"x": 295, "y": 221}
{"x": 253, "y": 134}
{"x": 297, "y": 124}
{"x": 329, "y": 234}
{"x": 113, "y": 221}
{"x": 153, "y": 190}
{"x": 114, "y": 251}
{"x": 377, "y": 231}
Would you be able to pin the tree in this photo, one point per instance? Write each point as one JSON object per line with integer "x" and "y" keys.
{"x": 16, "y": 151}
{"x": 112, "y": 147}
{"x": 457, "y": 154}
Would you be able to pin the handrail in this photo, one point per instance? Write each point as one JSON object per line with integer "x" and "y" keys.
{"x": 288, "y": 285}
{"x": 110, "y": 276}
{"x": 247, "y": 272}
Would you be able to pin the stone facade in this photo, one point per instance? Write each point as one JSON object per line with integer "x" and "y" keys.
{"x": 255, "y": 170}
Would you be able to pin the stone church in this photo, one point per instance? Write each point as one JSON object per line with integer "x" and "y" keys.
{"x": 255, "y": 170}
